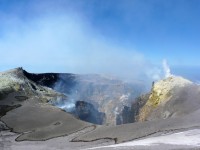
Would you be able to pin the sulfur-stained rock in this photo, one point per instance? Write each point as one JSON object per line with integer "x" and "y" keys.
{"x": 162, "y": 92}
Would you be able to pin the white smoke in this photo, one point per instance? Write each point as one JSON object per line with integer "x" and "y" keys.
{"x": 66, "y": 104}
{"x": 166, "y": 68}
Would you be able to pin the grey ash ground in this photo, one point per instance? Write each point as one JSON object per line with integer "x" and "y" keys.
{"x": 107, "y": 113}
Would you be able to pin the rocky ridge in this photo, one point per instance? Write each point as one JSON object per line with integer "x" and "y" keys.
{"x": 15, "y": 81}
{"x": 171, "y": 106}
{"x": 163, "y": 92}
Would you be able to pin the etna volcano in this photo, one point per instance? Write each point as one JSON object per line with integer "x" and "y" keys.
{"x": 94, "y": 110}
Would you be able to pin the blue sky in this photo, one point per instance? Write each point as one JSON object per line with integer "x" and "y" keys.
{"x": 99, "y": 36}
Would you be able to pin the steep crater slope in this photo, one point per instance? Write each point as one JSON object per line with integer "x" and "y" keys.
{"x": 172, "y": 106}
{"x": 25, "y": 109}
{"x": 107, "y": 97}
{"x": 169, "y": 98}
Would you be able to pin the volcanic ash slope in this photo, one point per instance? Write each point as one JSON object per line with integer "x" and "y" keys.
{"x": 24, "y": 109}
{"x": 173, "y": 105}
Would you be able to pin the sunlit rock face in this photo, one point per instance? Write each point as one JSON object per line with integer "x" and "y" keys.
{"x": 16, "y": 89}
{"x": 15, "y": 81}
{"x": 171, "y": 97}
{"x": 137, "y": 105}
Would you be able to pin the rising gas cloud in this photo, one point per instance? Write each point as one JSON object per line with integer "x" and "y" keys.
{"x": 166, "y": 69}
{"x": 65, "y": 41}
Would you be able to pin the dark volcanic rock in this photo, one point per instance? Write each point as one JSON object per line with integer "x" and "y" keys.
{"x": 61, "y": 82}
{"x": 137, "y": 106}
{"x": 131, "y": 114}
{"x": 21, "y": 98}
{"x": 126, "y": 116}
{"x": 3, "y": 126}
{"x": 5, "y": 108}
{"x": 86, "y": 111}
{"x": 46, "y": 79}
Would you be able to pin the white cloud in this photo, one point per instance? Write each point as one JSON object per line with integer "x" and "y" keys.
{"x": 69, "y": 44}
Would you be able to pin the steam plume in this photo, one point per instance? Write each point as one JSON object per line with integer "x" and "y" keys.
{"x": 167, "y": 71}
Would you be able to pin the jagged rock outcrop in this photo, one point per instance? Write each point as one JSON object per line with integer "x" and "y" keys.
{"x": 15, "y": 88}
{"x": 137, "y": 105}
{"x": 170, "y": 97}
{"x": 45, "y": 79}
{"x": 16, "y": 81}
